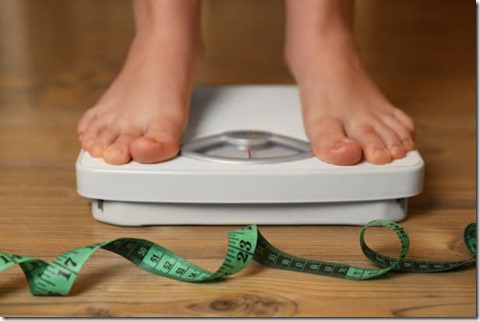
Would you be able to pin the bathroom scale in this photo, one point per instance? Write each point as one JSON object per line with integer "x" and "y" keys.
{"x": 245, "y": 159}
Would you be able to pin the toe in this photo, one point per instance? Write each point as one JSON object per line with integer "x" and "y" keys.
{"x": 404, "y": 133}
{"x": 390, "y": 140}
{"x": 406, "y": 120}
{"x": 374, "y": 149}
{"x": 89, "y": 137}
{"x": 85, "y": 122}
{"x": 118, "y": 152}
{"x": 378, "y": 156}
{"x": 408, "y": 144}
{"x": 104, "y": 139}
{"x": 154, "y": 148}
{"x": 330, "y": 144}
{"x": 160, "y": 142}
{"x": 397, "y": 151}
{"x": 346, "y": 152}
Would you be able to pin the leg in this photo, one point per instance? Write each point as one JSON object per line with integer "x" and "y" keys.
{"x": 143, "y": 113}
{"x": 345, "y": 114}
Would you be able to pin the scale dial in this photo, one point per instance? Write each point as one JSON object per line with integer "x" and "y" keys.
{"x": 247, "y": 147}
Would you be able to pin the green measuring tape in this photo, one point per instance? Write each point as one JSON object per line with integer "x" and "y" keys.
{"x": 244, "y": 245}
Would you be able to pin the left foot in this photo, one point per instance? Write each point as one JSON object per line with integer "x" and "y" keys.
{"x": 346, "y": 117}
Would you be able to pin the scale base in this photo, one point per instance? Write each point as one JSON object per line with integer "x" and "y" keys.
{"x": 335, "y": 213}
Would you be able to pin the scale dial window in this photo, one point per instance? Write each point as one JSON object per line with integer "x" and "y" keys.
{"x": 247, "y": 147}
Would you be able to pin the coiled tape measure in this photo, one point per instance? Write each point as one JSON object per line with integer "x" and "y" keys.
{"x": 244, "y": 245}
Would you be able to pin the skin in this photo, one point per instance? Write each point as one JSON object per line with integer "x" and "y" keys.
{"x": 143, "y": 113}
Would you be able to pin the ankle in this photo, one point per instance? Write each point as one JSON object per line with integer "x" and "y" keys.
{"x": 168, "y": 27}
{"x": 159, "y": 49}
{"x": 319, "y": 52}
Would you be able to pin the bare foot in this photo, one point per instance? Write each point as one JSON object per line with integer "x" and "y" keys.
{"x": 346, "y": 116}
{"x": 143, "y": 113}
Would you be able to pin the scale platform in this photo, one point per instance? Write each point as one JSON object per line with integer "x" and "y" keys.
{"x": 245, "y": 159}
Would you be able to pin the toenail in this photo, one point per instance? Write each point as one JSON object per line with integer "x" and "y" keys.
{"x": 88, "y": 143}
{"x": 114, "y": 152}
{"x": 409, "y": 144}
{"x": 339, "y": 146}
{"x": 97, "y": 148}
{"x": 380, "y": 152}
{"x": 395, "y": 150}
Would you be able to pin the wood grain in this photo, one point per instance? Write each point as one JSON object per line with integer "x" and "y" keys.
{"x": 59, "y": 55}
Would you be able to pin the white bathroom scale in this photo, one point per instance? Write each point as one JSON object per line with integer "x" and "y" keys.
{"x": 245, "y": 159}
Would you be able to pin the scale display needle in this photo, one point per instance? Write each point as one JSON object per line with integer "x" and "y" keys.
{"x": 249, "y": 151}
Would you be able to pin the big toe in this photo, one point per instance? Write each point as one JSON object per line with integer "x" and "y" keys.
{"x": 344, "y": 152}
{"x": 149, "y": 150}
{"x": 330, "y": 144}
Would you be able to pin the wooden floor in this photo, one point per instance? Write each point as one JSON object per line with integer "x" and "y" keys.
{"x": 58, "y": 56}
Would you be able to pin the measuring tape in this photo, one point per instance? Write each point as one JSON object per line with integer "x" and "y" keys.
{"x": 244, "y": 245}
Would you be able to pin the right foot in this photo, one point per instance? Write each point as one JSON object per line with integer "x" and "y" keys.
{"x": 143, "y": 113}
{"x": 346, "y": 116}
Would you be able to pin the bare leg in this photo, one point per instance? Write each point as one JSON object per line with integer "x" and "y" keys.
{"x": 345, "y": 114}
{"x": 143, "y": 113}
